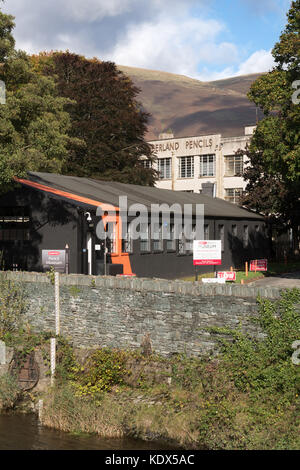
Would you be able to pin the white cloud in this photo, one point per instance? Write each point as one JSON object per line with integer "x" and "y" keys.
{"x": 154, "y": 34}
{"x": 175, "y": 45}
{"x": 259, "y": 61}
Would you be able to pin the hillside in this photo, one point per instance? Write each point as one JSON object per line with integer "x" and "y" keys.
{"x": 191, "y": 107}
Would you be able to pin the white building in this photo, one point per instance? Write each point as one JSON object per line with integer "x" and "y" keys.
{"x": 202, "y": 164}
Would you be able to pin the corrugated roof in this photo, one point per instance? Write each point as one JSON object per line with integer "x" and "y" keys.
{"x": 109, "y": 192}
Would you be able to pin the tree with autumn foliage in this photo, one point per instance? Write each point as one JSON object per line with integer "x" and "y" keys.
{"x": 105, "y": 116}
{"x": 273, "y": 176}
{"x": 34, "y": 124}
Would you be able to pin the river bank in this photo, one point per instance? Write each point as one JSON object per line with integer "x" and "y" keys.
{"x": 245, "y": 397}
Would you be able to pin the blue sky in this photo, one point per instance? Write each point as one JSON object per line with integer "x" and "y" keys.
{"x": 204, "y": 39}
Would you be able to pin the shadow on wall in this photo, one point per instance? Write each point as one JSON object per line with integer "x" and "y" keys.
{"x": 21, "y": 247}
{"x": 257, "y": 247}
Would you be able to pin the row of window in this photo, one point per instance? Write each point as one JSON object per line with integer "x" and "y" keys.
{"x": 207, "y": 163}
{"x": 185, "y": 245}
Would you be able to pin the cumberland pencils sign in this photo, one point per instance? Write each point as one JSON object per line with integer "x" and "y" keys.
{"x": 207, "y": 252}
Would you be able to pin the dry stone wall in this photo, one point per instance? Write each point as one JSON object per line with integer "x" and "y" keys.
{"x": 175, "y": 316}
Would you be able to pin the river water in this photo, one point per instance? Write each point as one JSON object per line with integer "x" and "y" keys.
{"x": 23, "y": 432}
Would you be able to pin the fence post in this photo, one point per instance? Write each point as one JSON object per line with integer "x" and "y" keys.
{"x": 57, "y": 306}
{"x": 52, "y": 358}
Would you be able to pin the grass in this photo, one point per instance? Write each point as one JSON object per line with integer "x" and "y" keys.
{"x": 274, "y": 269}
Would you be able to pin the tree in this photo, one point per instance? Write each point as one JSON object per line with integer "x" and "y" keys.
{"x": 106, "y": 116}
{"x": 33, "y": 122}
{"x": 274, "y": 153}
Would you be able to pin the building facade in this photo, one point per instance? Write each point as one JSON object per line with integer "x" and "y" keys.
{"x": 51, "y": 212}
{"x": 202, "y": 164}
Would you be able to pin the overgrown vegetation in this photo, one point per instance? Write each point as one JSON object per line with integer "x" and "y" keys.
{"x": 12, "y": 307}
{"x": 9, "y": 391}
{"x": 245, "y": 398}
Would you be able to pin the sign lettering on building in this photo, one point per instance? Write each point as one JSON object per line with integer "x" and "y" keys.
{"x": 187, "y": 146}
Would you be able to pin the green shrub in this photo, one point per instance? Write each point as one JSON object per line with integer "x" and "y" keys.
{"x": 103, "y": 369}
{"x": 264, "y": 366}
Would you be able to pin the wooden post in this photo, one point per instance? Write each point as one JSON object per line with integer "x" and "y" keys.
{"x": 57, "y": 307}
{"x": 52, "y": 358}
{"x": 231, "y": 268}
{"x": 246, "y": 268}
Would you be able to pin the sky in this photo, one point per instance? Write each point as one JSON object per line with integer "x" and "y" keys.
{"x": 203, "y": 39}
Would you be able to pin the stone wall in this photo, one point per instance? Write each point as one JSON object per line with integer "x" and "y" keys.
{"x": 121, "y": 312}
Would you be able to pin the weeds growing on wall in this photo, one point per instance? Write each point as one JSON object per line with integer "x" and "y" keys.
{"x": 13, "y": 305}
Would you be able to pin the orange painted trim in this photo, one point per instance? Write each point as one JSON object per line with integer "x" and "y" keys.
{"x": 67, "y": 195}
{"x": 116, "y": 258}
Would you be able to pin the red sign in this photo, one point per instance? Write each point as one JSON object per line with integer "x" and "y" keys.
{"x": 227, "y": 275}
{"x": 259, "y": 265}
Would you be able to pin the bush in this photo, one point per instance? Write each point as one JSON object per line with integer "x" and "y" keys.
{"x": 103, "y": 369}
{"x": 264, "y": 367}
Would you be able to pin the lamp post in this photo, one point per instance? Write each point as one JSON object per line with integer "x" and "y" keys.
{"x": 67, "y": 258}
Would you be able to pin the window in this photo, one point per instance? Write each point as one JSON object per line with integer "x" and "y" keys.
{"x": 146, "y": 163}
{"x": 257, "y": 236}
{"x": 186, "y": 167}
{"x": 181, "y": 243}
{"x": 111, "y": 241}
{"x": 144, "y": 238}
{"x": 233, "y": 195}
{"x": 14, "y": 234}
{"x": 127, "y": 242}
{"x": 189, "y": 241}
{"x": 206, "y": 232}
{"x": 171, "y": 239}
{"x": 245, "y": 236}
{"x": 234, "y": 165}
{"x": 221, "y": 236}
{"x": 14, "y": 224}
{"x": 234, "y": 236}
{"x": 207, "y": 165}
{"x": 165, "y": 168}
{"x": 157, "y": 238}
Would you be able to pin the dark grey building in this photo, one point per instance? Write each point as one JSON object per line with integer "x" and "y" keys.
{"x": 47, "y": 211}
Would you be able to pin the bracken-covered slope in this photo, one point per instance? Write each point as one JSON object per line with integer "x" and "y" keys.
{"x": 190, "y": 107}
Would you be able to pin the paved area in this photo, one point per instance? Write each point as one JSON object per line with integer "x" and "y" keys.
{"x": 285, "y": 281}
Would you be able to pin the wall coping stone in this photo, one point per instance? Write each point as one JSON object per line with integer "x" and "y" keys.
{"x": 149, "y": 285}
